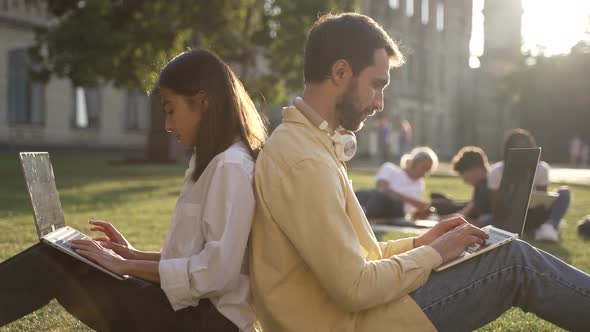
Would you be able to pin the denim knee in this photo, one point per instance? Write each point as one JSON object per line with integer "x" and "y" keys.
{"x": 564, "y": 193}
{"x": 518, "y": 253}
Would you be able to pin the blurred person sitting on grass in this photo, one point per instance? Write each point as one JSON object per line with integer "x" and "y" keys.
{"x": 315, "y": 263}
{"x": 400, "y": 190}
{"x": 543, "y": 222}
{"x": 197, "y": 282}
{"x": 471, "y": 163}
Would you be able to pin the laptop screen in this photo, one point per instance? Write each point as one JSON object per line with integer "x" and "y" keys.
{"x": 512, "y": 200}
{"x": 44, "y": 196}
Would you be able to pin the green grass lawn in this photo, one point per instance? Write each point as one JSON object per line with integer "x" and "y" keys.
{"x": 140, "y": 199}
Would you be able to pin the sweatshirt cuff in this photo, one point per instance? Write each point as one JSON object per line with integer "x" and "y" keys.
{"x": 427, "y": 256}
{"x": 174, "y": 282}
{"x": 405, "y": 244}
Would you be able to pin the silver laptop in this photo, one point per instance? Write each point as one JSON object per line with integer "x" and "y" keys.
{"x": 49, "y": 218}
{"x": 512, "y": 203}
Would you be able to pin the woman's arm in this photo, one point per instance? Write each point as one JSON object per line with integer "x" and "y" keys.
{"x": 146, "y": 255}
{"x": 144, "y": 269}
{"x": 115, "y": 241}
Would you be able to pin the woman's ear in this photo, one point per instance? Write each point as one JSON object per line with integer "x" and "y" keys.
{"x": 201, "y": 101}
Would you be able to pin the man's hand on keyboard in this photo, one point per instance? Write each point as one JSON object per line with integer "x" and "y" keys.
{"x": 453, "y": 243}
{"x": 438, "y": 230}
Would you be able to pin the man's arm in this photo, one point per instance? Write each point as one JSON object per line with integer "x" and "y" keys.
{"x": 467, "y": 210}
{"x": 310, "y": 207}
{"x": 383, "y": 186}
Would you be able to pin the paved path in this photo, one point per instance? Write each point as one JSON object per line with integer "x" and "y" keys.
{"x": 558, "y": 173}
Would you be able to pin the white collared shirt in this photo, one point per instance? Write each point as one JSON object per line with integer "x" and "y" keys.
{"x": 204, "y": 252}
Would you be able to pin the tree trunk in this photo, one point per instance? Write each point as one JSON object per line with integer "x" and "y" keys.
{"x": 158, "y": 143}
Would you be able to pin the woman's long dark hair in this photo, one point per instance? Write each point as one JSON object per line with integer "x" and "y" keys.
{"x": 231, "y": 113}
{"x": 518, "y": 138}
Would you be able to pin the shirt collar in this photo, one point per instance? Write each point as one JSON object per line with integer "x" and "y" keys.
{"x": 293, "y": 115}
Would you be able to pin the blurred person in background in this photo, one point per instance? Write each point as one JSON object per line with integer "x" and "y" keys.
{"x": 543, "y": 222}
{"x": 405, "y": 137}
{"x": 399, "y": 190}
{"x": 575, "y": 148}
{"x": 384, "y": 130}
{"x": 471, "y": 163}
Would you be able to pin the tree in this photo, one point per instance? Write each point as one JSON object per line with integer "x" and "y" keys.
{"x": 551, "y": 96}
{"x": 126, "y": 43}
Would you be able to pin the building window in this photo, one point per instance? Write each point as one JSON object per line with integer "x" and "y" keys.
{"x": 440, "y": 16}
{"x": 86, "y": 107}
{"x": 409, "y": 8}
{"x": 26, "y": 97}
{"x": 136, "y": 109}
{"x": 394, "y": 4}
{"x": 424, "y": 14}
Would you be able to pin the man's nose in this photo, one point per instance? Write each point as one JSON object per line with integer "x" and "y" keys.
{"x": 378, "y": 104}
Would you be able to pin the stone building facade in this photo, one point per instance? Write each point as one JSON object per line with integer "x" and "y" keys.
{"x": 448, "y": 104}
{"x": 58, "y": 114}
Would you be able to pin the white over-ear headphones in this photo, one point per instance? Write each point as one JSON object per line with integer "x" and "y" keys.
{"x": 344, "y": 140}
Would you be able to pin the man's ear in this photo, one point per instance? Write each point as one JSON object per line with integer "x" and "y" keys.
{"x": 341, "y": 72}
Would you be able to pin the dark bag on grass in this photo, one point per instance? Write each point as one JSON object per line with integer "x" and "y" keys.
{"x": 584, "y": 228}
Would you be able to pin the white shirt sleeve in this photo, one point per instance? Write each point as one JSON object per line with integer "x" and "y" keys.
{"x": 542, "y": 175}
{"x": 228, "y": 210}
{"x": 384, "y": 173}
{"x": 495, "y": 176}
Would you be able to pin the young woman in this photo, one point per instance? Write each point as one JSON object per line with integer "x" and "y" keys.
{"x": 400, "y": 190}
{"x": 198, "y": 281}
{"x": 543, "y": 222}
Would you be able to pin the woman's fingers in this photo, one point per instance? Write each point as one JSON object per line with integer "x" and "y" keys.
{"x": 100, "y": 229}
{"x": 86, "y": 244}
{"x": 108, "y": 227}
{"x": 100, "y": 223}
{"x": 110, "y": 245}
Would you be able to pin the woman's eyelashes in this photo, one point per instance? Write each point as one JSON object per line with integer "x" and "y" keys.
{"x": 168, "y": 110}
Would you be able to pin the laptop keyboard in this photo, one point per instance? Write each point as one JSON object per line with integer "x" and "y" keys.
{"x": 73, "y": 235}
{"x": 63, "y": 236}
{"x": 493, "y": 238}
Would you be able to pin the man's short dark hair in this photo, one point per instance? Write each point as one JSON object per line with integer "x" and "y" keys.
{"x": 348, "y": 36}
{"x": 469, "y": 157}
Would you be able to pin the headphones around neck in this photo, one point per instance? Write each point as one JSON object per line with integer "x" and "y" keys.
{"x": 344, "y": 140}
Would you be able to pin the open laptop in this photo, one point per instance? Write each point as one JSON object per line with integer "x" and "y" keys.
{"x": 512, "y": 203}
{"x": 49, "y": 218}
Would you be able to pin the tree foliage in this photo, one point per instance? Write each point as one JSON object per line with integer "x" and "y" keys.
{"x": 552, "y": 99}
{"x": 127, "y": 41}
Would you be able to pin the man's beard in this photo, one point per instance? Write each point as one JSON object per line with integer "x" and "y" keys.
{"x": 351, "y": 116}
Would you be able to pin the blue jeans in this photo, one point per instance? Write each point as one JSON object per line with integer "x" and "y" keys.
{"x": 477, "y": 291}
{"x": 560, "y": 206}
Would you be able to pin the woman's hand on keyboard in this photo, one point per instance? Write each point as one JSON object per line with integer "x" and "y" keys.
{"x": 95, "y": 252}
{"x": 113, "y": 240}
